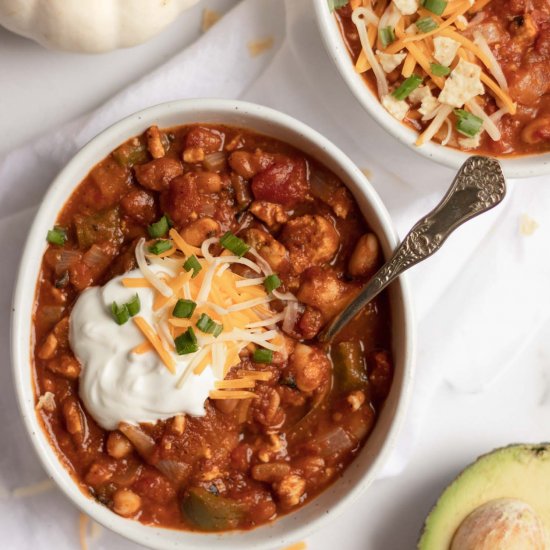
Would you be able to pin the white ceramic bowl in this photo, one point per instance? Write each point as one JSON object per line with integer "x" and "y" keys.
{"x": 362, "y": 471}
{"x": 519, "y": 167}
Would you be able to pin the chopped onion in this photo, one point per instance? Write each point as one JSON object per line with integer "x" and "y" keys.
{"x": 360, "y": 15}
{"x": 66, "y": 259}
{"x": 215, "y": 162}
{"x": 489, "y": 126}
{"x": 496, "y": 69}
{"x": 334, "y": 442}
{"x": 173, "y": 470}
{"x": 96, "y": 258}
{"x": 143, "y": 443}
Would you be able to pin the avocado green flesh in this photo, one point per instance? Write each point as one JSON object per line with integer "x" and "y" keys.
{"x": 520, "y": 472}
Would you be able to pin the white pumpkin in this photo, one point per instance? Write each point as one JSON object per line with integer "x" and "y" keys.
{"x": 90, "y": 26}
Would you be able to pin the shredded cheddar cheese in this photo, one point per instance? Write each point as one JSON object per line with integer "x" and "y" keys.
{"x": 155, "y": 341}
{"x": 136, "y": 282}
{"x": 235, "y": 384}
{"x": 238, "y": 306}
{"x": 427, "y": 47}
{"x": 231, "y": 394}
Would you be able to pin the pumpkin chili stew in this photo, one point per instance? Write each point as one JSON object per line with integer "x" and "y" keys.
{"x": 177, "y": 368}
{"x": 470, "y": 74}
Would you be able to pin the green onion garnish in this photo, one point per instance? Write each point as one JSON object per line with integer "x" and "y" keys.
{"x": 262, "y": 355}
{"x": 184, "y": 309}
{"x": 387, "y": 36}
{"x": 234, "y": 244}
{"x": 57, "y": 235}
{"x": 206, "y": 324}
{"x": 435, "y": 6}
{"x": 467, "y": 123}
{"x": 160, "y": 228}
{"x": 337, "y": 4}
{"x": 272, "y": 282}
{"x": 186, "y": 342}
{"x": 439, "y": 70}
{"x": 408, "y": 85}
{"x": 120, "y": 313}
{"x": 192, "y": 264}
{"x": 133, "y": 306}
{"x": 160, "y": 246}
{"x": 426, "y": 24}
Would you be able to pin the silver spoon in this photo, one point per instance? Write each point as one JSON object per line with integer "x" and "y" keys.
{"x": 478, "y": 187}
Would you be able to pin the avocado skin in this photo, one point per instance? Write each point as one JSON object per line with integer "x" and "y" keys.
{"x": 519, "y": 471}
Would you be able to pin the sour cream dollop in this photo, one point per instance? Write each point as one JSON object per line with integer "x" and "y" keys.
{"x": 117, "y": 385}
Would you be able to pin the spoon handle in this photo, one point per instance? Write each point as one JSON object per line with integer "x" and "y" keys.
{"x": 478, "y": 187}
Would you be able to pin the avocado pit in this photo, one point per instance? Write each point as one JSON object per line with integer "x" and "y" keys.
{"x": 503, "y": 523}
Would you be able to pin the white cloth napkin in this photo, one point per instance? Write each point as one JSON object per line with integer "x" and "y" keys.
{"x": 479, "y": 301}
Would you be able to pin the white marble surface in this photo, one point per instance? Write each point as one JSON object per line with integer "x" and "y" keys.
{"x": 40, "y": 90}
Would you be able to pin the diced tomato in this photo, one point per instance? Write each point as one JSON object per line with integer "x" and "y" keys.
{"x": 154, "y": 486}
{"x": 284, "y": 182}
{"x": 182, "y": 199}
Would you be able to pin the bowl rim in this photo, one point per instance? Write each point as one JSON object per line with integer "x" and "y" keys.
{"x": 21, "y": 350}
{"x": 512, "y": 167}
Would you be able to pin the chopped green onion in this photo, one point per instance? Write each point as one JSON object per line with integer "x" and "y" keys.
{"x": 272, "y": 282}
{"x": 192, "y": 264}
{"x": 439, "y": 70}
{"x": 426, "y": 24}
{"x": 206, "y": 324}
{"x": 57, "y": 235}
{"x": 186, "y": 343}
{"x": 160, "y": 228}
{"x": 160, "y": 246}
{"x": 234, "y": 244}
{"x": 435, "y": 6}
{"x": 184, "y": 309}
{"x": 407, "y": 86}
{"x": 387, "y": 36}
{"x": 467, "y": 123}
{"x": 133, "y": 306}
{"x": 217, "y": 330}
{"x": 262, "y": 355}
{"x": 120, "y": 313}
{"x": 337, "y": 4}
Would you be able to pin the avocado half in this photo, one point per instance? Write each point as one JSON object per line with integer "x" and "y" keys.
{"x": 519, "y": 472}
